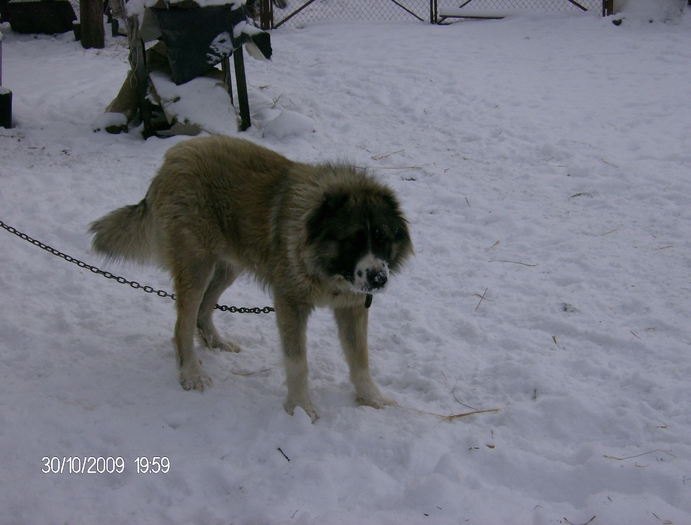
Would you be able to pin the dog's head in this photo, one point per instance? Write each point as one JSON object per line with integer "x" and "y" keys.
{"x": 358, "y": 233}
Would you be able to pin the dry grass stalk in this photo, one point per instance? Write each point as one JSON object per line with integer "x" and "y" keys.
{"x": 514, "y": 262}
{"x": 640, "y": 455}
{"x": 453, "y": 416}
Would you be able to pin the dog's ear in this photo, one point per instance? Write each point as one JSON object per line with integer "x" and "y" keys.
{"x": 331, "y": 203}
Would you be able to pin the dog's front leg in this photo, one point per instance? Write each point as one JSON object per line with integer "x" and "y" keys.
{"x": 291, "y": 317}
{"x": 352, "y": 331}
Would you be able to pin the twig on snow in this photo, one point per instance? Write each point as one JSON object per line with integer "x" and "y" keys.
{"x": 453, "y": 393}
{"x": 452, "y": 416}
{"x": 384, "y": 155}
{"x": 248, "y": 374}
{"x": 482, "y": 298}
{"x": 513, "y": 262}
{"x": 665, "y": 522}
{"x": 607, "y": 233}
{"x": 640, "y": 455}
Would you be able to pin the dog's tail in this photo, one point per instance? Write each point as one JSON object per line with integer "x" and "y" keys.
{"x": 124, "y": 234}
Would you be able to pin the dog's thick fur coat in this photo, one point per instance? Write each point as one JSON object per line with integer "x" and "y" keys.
{"x": 316, "y": 235}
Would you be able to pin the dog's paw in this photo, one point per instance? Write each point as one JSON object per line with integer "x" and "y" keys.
{"x": 307, "y": 406}
{"x": 368, "y": 394}
{"x": 226, "y": 345}
{"x": 378, "y": 401}
{"x": 194, "y": 378}
{"x": 210, "y": 339}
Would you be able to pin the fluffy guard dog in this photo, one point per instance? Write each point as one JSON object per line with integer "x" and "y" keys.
{"x": 316, "y": 235}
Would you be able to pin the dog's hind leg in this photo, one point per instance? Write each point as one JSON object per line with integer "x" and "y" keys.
{"x": 352, "y": 331}
{"x": 291, "y": 317}
{"x": 223, "y": 277}
{"x": 190, "y": 278}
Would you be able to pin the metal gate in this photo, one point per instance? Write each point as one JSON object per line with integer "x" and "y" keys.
{"x": 314, "y": 10}
{"x": 444, "y": 9}
{"x": 305, "y": 11}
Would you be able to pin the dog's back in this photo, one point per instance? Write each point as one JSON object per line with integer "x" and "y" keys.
{"x": 212, "y": 194}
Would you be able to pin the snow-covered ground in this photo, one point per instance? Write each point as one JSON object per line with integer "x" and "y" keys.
{"x": 544, "y": 163}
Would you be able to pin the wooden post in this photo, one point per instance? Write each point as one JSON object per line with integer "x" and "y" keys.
{"x": 607, "y": 7}
{"x": 91, "y": 23}
{"x": 241, "y": 81}
{"x": 266, "y": 14}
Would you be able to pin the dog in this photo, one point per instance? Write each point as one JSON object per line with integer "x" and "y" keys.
{"x": 314, "y": 235}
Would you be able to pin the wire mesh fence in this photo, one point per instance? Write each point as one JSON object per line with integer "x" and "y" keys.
{"x": 300, "y": 12}
{"x": 536, "y": 5}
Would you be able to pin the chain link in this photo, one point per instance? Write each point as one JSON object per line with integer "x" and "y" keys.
{"x": 122, "y": 280}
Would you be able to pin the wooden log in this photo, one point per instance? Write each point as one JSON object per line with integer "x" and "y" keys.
{"x": 91, "y": 22}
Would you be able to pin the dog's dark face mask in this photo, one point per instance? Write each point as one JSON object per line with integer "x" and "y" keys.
{"x": 360, "y": 237}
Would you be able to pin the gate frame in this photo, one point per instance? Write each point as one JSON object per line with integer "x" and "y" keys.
{"x": 266, "y": 11}
{"x": 607, "y": 9}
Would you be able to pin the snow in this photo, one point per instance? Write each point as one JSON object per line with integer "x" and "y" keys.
{"x": 544, "y": 163}
{"x": 288, "y": 123}
{"x": 651, "y": 10}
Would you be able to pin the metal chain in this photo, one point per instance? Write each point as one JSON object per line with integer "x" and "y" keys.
{"x": 122, "y": 280}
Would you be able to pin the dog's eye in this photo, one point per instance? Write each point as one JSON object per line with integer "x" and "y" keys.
{"x": 379, "y": 234}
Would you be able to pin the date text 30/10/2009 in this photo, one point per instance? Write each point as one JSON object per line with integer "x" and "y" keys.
{"x": 103, "y": 465}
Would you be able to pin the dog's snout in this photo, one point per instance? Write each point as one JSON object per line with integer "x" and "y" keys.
{"x": 376, "y": 278}
{"x": 371, "y": 274}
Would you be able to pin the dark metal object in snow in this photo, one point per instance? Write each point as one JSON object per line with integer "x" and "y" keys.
{"x": 122, "y": 280}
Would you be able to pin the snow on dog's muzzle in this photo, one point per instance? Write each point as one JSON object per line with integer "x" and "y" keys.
{"x": 371, "y": 274}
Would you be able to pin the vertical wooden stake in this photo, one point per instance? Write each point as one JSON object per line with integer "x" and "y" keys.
{"x": 241, "y": 81}
{"x": 91, "y": 23}
{"x": 266, "y": 14}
